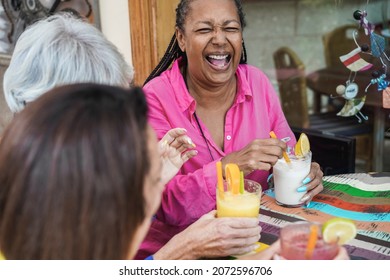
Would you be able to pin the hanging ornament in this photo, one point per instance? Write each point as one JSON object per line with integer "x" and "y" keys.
{"x": 386, "y": 98}
{"x": 354, "y": 62}
{"x": 378, "y": 43}
{"x": 350, "y": 90}
{"x": 340, "y": 90}
{"x": 352, "y": 107}
{"x": 379, "y": 79}
{"x": 361, "y": 16}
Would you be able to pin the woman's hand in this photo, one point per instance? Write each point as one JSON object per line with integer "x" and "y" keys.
{"x": 175, "y": 149}
{"x": 272, "y": 252}
{"x": 260, "y": 154}
{"x": 313, "y": 183}
{"x": 211, "y": 237}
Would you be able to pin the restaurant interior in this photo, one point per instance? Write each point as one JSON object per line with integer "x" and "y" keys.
{"x": 308, "y": 49}
{"x": 292, "y": 40}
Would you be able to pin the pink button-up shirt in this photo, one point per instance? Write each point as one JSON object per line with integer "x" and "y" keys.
{"x": 255, "y": 112}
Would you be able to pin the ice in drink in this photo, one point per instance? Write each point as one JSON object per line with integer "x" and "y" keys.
{"x": 288, "y": 178}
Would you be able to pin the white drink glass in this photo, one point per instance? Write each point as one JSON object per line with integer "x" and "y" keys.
{"x": 288, "y": 178}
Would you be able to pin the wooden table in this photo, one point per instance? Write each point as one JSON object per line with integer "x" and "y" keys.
{"x": 325, "y": 81}
{"x": 364, "y": 198}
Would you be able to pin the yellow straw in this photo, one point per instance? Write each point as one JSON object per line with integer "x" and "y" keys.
{"x": 220, "y": 179}
{"x": 286, "y": 158}
{"x": 242, "y": 184}
{"x": 311, "y": 243}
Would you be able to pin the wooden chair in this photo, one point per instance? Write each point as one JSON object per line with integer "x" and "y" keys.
{"x": 290, "y": 74}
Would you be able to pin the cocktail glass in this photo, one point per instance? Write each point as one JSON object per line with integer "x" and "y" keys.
{"x": 288, "y": 178}
{"x": 294, "y": 240}
{"x": 239, "y": 205}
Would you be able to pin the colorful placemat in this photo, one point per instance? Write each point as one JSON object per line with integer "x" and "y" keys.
{"x": 364, "y": 198}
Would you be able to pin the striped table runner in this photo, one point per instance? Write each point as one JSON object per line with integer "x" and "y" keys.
{"x": 364, "y": 198}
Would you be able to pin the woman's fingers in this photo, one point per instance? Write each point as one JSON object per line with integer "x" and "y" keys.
{"x": 176, "y": 138}
{"x": 188, "y": 154}
{"x": 260, "y": 154}
{"x": 342, "y": 254}
{"x": 173, "y": 133}
{"x": 313, "y": 182}
{"x": 224, "y": 236}
{"x": 270, "y": 253}
{"x": 310, "y": 194}
{"x": 182, "y": 143}
{"x": 175, "y": 149}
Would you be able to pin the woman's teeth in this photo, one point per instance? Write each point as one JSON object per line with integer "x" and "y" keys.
{"x": 218, "y": 60}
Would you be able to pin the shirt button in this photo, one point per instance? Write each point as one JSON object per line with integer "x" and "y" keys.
{"x": 228, "y": 137}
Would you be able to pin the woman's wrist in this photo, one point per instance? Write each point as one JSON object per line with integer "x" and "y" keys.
{"x": 178, "y": 248}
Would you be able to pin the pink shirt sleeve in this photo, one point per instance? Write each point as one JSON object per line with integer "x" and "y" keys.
{"x": 191, "y": 193}
{"x": 187, "y": 197}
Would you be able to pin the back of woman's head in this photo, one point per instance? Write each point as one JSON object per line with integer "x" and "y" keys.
{"x": 61, "y": 50}
{"x": 72, "y": 170}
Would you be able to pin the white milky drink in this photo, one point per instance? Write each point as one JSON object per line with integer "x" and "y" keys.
{"x": 288, "y": 178}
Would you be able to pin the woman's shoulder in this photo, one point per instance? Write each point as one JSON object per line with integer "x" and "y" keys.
{"x": 251, "y": 71}
{"x": 252, "y": 76}
{"x": 158, "y": 85}
{"x": 167, "y": 81}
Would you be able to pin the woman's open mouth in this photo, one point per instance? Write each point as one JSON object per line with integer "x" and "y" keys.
{"x": 219, "y": 61}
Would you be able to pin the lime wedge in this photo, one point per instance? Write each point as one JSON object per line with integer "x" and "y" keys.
{"x": 302, "y": 147}
{"x": 339, "y": 230}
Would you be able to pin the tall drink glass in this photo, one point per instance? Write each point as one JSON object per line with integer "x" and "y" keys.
{"x": 294, "y": 240}
{"x": 239, "y": 205}
{"x": 288, "y": 178}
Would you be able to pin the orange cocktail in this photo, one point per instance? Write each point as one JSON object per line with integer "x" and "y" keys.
{"x": 244, "y": 204}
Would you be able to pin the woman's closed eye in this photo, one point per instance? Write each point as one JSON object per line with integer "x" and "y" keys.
{"x": 232, "y": 29}
{"x": 204, "y": 30}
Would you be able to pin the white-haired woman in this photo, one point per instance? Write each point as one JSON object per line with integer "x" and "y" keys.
{"x": 61, "y": 50}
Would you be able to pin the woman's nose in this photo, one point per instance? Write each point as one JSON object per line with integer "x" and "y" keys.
{"x": 219, "y": 36}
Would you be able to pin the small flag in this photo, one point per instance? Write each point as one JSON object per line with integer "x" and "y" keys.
{"x": 354, "y": 62}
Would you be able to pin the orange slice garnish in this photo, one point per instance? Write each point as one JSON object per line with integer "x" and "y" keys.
{"x": 233, "y": 177}
{"x": 302, "y": 147}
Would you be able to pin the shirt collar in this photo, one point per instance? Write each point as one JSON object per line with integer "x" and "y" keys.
{"x": 183, "y": 97}
{"x": 244, "y": 90}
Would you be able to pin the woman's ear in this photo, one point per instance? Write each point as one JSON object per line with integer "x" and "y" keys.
{"x": 180, "y": 39}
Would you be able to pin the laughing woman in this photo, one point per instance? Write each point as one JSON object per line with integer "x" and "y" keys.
{"x": 227, "y": 107}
